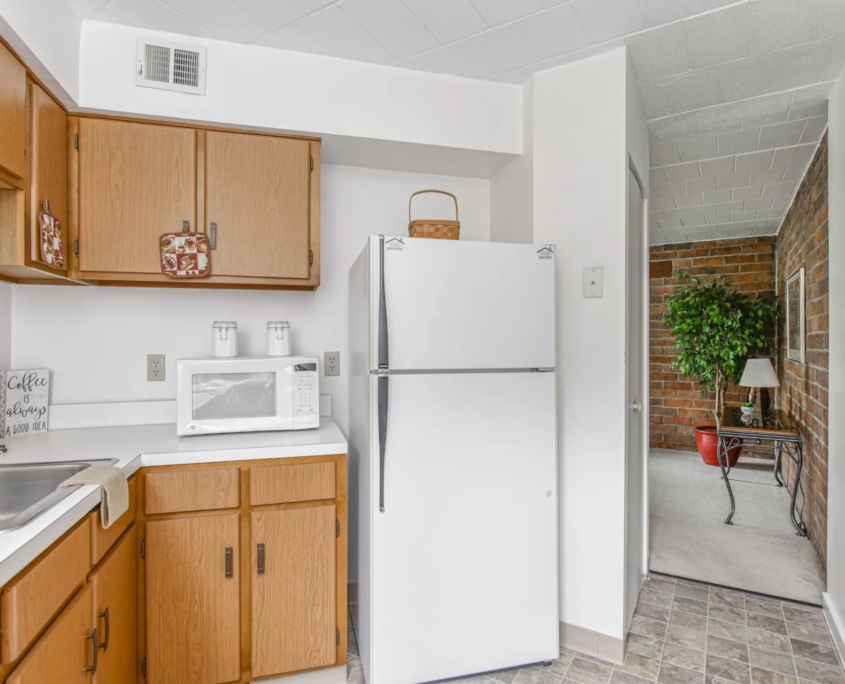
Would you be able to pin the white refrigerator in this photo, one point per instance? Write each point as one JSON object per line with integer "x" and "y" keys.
{"x": 453, "y": 466}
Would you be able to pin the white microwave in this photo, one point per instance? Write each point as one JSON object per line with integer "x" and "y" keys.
{"x": 246, "y": 394}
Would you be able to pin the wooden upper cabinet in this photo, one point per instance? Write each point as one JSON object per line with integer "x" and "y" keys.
{"x": 136, "y": 181}
{"x": 294, "y": 590}
{"x": 193, "y": 600}
{"x": 12, "y": 114}
{"x": 49, "y": 172}
{"x": 258, "y": 194}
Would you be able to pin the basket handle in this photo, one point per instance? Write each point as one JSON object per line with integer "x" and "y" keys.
{"x": 442, "y": 192}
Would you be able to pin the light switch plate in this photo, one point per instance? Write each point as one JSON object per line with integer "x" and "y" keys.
{"x": 593, "y": 283}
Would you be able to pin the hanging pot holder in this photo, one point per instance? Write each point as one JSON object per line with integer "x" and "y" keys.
{"x": 185, "y": 254}
{"x": 50, "y": 237}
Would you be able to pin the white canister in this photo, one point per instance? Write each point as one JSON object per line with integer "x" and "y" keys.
{"x": 224, "y": 338}
{"x": 278, "y": 338}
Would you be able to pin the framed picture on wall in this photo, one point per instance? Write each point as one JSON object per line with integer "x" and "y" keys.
{"x": 795, "y": 316}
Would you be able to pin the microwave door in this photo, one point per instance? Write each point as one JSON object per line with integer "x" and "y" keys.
{"x": 234, "y": 396}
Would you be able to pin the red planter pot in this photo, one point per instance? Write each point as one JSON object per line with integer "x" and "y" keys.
{"x": 707, "y": 442}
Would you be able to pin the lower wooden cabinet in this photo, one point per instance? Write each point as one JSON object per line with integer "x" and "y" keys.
{"x": 193, "y": 600}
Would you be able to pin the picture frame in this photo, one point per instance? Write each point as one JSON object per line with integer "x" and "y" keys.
{"x": 795, "y": 318}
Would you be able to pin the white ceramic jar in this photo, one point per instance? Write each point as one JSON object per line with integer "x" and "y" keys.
{"x": 278, "y": 338}
{"x": 224, "y": 338}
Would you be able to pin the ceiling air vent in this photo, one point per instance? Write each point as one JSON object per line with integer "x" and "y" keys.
{"x": 170, "y": 66}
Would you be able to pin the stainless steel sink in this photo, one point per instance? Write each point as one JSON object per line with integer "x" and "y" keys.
{"x": 30, "y": 489}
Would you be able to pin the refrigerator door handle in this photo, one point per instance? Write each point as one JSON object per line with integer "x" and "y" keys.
{"x": 383, "y": 355}
{"x": 383, "y": 381}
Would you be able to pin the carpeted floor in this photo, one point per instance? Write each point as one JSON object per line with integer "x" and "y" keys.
{"x": 760, "y": 552}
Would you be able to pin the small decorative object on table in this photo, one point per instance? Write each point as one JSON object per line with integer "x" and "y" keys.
{"x": 442, "y": 229}
{"x": 185, "y": 254}
{"x": 50, "y": 237}
{"x": 24, "y": 398}
{"x": 224, "y": 339}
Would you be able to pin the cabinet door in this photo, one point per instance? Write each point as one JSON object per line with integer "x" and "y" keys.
{"x": 116, "y": 611}
{"x": 193, "y": 600}
{"x": 294, "y": 610}
{"x": 12, "y": 113}
{"x": 66, "y": 650}
{"x": 136, "y": 181}
{"x": 49, "y": 165}
{"x": 258, "y": 196}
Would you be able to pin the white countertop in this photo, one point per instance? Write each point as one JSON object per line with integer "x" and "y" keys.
{"x": 137, "y": 447}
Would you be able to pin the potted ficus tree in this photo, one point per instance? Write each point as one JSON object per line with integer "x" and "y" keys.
{"x": 716, "y": 329}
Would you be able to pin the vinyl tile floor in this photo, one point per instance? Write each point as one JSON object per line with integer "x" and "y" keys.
{"x": 691, "y": 633}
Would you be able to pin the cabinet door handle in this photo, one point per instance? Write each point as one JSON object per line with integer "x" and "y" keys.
{"x": 228, "y": 562}
{"x": 94, "y": 650}
{"x": 105, "y": 616}
{"x": 261, "y": 559}
{"x": 212, "y": 235}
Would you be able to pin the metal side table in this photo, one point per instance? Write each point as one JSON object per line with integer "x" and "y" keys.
{"x": 775, "y": 431}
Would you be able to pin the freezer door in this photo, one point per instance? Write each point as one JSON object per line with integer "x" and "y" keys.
{"x": 464, "y": 555}
{"x": 467, "y": 305}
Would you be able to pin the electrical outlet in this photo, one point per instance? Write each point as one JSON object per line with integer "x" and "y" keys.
{"x": 331, "y": 363}
{"x": 155, "y": 367}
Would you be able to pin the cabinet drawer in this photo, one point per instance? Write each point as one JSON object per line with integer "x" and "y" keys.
{"x": 101, "y": 539}
{"x": 204, "y": 489}
{"x": 31, "y": 600}
{"x": 290, "y": 483}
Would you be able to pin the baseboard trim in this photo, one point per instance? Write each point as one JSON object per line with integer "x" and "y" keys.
{"x": 836, "y": 624}
{"x": 592, "y": 643}
{"x": 330, "y": 675}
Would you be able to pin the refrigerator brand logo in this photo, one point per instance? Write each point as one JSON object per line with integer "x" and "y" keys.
{"x": 395, "y": 243}
{"x": 546, "y": 252}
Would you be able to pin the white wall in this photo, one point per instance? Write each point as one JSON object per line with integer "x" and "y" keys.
{"x": 45, "y": 34}
{"x": 5, "y": 326}
{"x": 835, "y": 596}
{"x": 512, "y": 189}
{"x": 95, "y": 340}
{"x": 580, "y": 167}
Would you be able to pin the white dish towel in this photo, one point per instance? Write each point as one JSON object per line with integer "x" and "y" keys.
{"x": 115, "y": 496}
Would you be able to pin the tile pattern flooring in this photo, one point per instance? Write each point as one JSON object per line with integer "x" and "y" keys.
{"x": 691, "y": 633}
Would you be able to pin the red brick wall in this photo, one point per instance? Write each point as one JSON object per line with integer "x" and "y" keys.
{"x": 802, "y": 243}
{"x": 677, "y": 404}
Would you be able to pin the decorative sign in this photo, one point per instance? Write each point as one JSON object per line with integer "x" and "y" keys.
{"x": 24, "y": 396}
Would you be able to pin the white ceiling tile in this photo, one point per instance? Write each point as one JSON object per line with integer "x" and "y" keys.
{"x": 741, "y": 232}
{"x": 314, "y": 5}
{"x": 691, "y": 91}
{"x": 392, "y": 25}
{"x": 683, "y": 172}
{"x": 781, "y": 135}
{"x": 701, "y": 185}
{"x": 717, "y": 197}
{"x": 790, "y": 156}
{"x": 778, "y": 24}
{"x": 729, "y": 208}
{"x": 496, "y": 12}
{"x": 448, "y": 20}
{"x": 709, "y": 208}
{"x": 606, "y": 19}
{"x": 105, "y": 16}
{"x": 718, "y": 167}
{"x": 738, "y": 142}
{"x": 705, "y": 147}
{"x": 654, "y": 215}
{"x": 759, "y": 204}
{"x": 658, "y": 175}
{"x": 798, "y": 66}
{"x": 810, "y": 102}
{"x": 829, "y": 19}
{"x": 718, "y": 37}
{"x": 732, "y": 180}
{"x": 753, "y": 225}
{"x": 651, "y": 95}
{"x": 835, "y": 60}
{"x": 343, "y": 37}
{"x": 795, "y": 173}
{"x": 782, "y": 203}
{"x": 743, "y": 216}
{"x": 458, "y": 59}
{"x": 291, "y": 38}
{"x": 714, "y": 220}
{"x": 766, "y": 177}
{"x": 150, "y": 14}
{"x": 689, "y": 200}
{"x": 516, "y": 76}
{"x": 745, "y": 194}
{"x": 720, "y": 119}
{"x": 661, "y": 203}
{"x": 552, "y": 3}
{"x": 272, "y": 14}
{"x": 670, "y": 223}
{"x": 779, "y": 190}
{"x": 756, "y": 161}
{"x": 674, "y": 127}
{"x": 772, "y": 226}
{"x": 658, "y": 12}
{"x": 503, "y": 48}
{"x": 670, "y": 190}
{"x": 663, "y": 153}
{"x": 659, "y": 53}
{"x": 814, "y": 129}
{"x": 220, "y": 18}
{"x": 770, "y": 214}
{"x": 85, "y": 7}
{"x": 677, "y": 214}
{"x": 554, "y": 32}
{"x": 765, "y": 110}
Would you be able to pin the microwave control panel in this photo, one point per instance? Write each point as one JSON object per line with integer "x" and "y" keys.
{"x": 306, "y": 394}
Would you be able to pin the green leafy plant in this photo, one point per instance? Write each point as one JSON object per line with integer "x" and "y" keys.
{"x": 716, "y": 329}
{"x": 749, "y": 404}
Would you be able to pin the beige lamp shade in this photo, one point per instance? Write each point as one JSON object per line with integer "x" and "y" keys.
{"x": 759, "y": 373}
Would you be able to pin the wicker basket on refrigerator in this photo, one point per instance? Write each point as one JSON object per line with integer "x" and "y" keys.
{"x": 441, "y": 229}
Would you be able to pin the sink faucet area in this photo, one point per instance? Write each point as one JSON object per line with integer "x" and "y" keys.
{"x": 26, "y": 490}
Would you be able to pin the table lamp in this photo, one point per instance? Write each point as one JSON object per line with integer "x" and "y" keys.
{"x": 759, "y": 374}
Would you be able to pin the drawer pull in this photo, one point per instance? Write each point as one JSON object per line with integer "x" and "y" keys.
{"x": 105, "y": 616}
{"x": 228, "y": 562}
{"x": 261, "y": 559}
{"x": 95, "y": 651}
